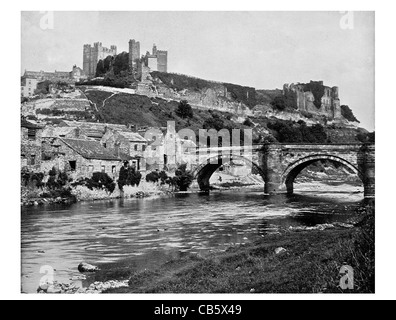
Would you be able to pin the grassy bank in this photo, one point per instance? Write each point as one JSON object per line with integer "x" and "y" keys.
{"x": 311, "y": 264}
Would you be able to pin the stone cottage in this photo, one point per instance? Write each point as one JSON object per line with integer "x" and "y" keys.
{"x": 83, "y": 157}
{"x": 128, "y": 143}
{"x": 30, "y": 145}
{"x": 167, "y": 150}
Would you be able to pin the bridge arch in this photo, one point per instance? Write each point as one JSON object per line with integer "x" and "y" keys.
{"x": 206, "y": 169}
{"x": 293, "y": 170}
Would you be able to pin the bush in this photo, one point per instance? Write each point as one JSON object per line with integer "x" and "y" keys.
{"x": 347, "y": 113}
{"x": 99, "y": 180}
{"x": 156, "y": 177}
{"x": 366, "y": 137}
{"x": 128, "y": 176}
{"x": 292, "y": 132}
{"x": 279, "y": 103}
{"x": 184, "y": 110}
{"x": 183, "y": 178}
{"x": 248, "y": 123}
{"x": 57, "y": 179}
{"x": 32, "y": 178}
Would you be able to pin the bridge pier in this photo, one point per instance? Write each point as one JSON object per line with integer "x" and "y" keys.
{"x": 369, "y": 171}
{"x": 272, "y": 159}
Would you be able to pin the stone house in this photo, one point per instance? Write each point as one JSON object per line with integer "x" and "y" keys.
{"x": 31, "y": 145}
{"x": 168, "y": 151}
{"x": 28, "y": 86}
{"x": 128, "y": 143}
{"x": 82, "y": 158}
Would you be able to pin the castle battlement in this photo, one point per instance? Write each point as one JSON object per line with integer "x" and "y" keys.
{"x": 92, "y": 54}
{"x": 155, "y": 61}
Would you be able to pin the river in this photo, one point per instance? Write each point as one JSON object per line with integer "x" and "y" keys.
{"x": 151, "y": 231}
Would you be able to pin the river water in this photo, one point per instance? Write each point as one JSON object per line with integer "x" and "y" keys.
{"x": 151, "y": 231}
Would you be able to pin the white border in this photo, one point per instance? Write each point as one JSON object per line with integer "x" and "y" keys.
{"x": 385, "y": 117}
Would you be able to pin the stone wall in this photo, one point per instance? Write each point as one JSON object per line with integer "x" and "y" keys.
{"x": 31, "y": 149}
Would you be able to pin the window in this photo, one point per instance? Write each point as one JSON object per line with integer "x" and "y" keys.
{"x": 104, "y": 144}
{"x": 103, "y": 168}
{"x": 136, "y": 147}
{"x": 113, "y": 169}
{"x": 143, "y": 148}
{"x": 73, "y": 165}
{"x": 31, "y": 134}
{"x": 33, "y": 159}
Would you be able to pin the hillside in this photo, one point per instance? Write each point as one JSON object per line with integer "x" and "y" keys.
{"x": 144, "y": 111}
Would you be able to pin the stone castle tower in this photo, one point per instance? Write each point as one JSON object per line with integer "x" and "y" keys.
{"x": 330, "y": 102}
{"x": 157, "y": 60}
{"x": 92, "y": 54}
{"x": 134, "y": 54}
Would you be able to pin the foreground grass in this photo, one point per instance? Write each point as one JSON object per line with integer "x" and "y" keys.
{"x": 310, "y": 265}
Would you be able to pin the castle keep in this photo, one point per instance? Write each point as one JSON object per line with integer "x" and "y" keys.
{"x": 92, "y": 54}
{"x": 305, "y": 100}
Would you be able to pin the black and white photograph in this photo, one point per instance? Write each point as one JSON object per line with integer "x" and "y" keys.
{"x": 196, "y": 152}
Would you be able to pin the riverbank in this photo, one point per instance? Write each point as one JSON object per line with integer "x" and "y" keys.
{"x": 291, "y": 261}
{"x": 38, "y": 197}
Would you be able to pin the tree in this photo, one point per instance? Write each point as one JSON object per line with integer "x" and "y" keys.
{"x": 364, "y": 137}
{"x": 128, "y": 176}
{"x": 183, "y": 178}
{"x": 279, "y": 103}
{"x": 184, "y": 110}
{"x": 100, "y": 69}
{"x": 347, "y": 113}
{"x": 215, "y": 122}
{"x": 121, "y": 63}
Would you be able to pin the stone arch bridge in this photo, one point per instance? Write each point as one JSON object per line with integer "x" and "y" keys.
{"x": 280, "y": 164}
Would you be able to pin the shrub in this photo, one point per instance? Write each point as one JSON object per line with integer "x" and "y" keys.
{"x": 99, "y": 180}
{"x": 183, "y": 178}
{"x": 292, "y": 132}
{"x": 347, "y": 113}
{"x": 184, "y": 110}
{"x": 128, "y": 176}
{"x": 156, "y": 177}
{"x": 279, "y": 103}
{"x": 248, "y": 123}
{"x": 153, "y": 177}
{"x": 368, "y": 137}
{"x": 31, "y": 178}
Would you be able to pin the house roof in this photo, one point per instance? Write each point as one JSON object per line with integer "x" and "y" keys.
{"x": 188, "y": 143}
{"x": 132, "y": 136}
{"x": 29, "y": 125}
{"x": 50, "y": 131}
{"x": 90, "y": 149}
{"x": 94, "y": 129}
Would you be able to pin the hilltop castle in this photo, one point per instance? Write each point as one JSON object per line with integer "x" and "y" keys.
{"x": 92, "y": 54}
{"x": 305, "y": 101}
{"x": 157, "y": 60}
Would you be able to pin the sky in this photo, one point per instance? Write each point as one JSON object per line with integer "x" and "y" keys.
{"x": 259, "y": 49}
